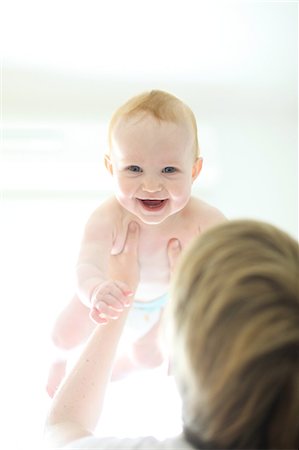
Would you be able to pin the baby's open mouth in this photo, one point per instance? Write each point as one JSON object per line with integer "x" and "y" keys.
{"x": 150, "y": 204}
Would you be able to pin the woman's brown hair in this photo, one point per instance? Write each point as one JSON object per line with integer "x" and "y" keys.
{"x": 235, "y": 315}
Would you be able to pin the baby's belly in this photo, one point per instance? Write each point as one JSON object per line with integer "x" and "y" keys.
{"x": 154, "y": 273}
{"x": 153, "y": 285}
{"x": 153, "y": 282}
{"x": 150, "y": 291}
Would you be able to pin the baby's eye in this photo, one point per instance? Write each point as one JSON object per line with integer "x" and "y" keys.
{"x": 135, "y": 169}
{"x": 169, "y": 170}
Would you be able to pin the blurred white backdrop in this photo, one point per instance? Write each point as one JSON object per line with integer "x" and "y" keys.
{"x": 65, "y": 67}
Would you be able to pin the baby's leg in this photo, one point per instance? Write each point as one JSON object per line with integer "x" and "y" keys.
{"x": 145, "y": 353}
{"x": 71, "y": 328}
{"x": 73, "y": 325}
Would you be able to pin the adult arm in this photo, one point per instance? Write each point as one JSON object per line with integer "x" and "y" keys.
{"x": 77, "y": 406}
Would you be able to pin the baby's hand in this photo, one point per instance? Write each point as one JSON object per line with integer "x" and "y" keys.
{"x": 109, "y": 300}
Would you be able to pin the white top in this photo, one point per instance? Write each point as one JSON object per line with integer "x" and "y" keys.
{"x": 145, "y": 443}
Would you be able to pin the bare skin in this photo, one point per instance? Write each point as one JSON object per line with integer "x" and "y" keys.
{"x": 154, "y": 168}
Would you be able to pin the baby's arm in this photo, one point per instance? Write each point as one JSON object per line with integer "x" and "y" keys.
{"x": 104, "y": 296}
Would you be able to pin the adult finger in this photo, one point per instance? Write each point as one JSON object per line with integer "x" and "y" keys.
{"x": 132, "y": 239}
{"x": 174, "y": 250}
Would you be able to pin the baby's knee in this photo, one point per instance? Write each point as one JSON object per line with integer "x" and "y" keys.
{"x": 147, "y": 357}
{"x": 64, "y": 339}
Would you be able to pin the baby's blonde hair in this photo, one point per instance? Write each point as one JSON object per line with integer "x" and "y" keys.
{"x": 159, "y": 104}
{"x": 235, "y": 316}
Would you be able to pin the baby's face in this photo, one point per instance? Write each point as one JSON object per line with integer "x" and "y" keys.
{"x": 154, "y": 166}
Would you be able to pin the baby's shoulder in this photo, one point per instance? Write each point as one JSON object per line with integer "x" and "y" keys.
{"x": 205, "y": 214}
{"x": 109, "y": 208}
{"x": 106, "y": 216}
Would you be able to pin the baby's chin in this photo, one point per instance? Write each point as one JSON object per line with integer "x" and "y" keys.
{"x": 152, "y": 221}
{"x": 149, "y": 220}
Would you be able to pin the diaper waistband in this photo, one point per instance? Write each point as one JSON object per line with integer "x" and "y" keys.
{"x": 157, "y": 303}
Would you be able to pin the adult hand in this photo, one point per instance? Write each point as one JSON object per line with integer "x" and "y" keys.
{"x": 125, "y": 265}
{"x": 174, "y": 250}
{"x": 111, "y": 297}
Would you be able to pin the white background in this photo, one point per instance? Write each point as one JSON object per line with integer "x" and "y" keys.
{"x": 65, "y": 67}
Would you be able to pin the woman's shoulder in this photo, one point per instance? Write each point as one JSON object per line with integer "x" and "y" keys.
{"x": 109, "y": 443}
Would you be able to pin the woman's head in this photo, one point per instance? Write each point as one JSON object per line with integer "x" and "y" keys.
{"x": 235, "y": 316}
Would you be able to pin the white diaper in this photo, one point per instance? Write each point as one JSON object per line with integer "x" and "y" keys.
{"x": 143, "y": 316}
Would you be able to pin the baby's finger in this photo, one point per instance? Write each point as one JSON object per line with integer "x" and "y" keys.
{"x": 115, "y": 303}
{"x": 118, "y": 290}
{"x": 105, "y": 310}
{"x": 98, "y": 317}
{"x": 124, "y": 290}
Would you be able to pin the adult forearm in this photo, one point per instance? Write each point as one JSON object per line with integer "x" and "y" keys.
{"x": 77, "y": 405}
{"x": 80, "y": 398}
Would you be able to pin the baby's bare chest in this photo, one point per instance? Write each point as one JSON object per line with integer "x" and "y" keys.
{"x": 153, "y": 258}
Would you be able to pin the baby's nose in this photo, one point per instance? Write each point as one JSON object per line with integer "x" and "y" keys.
{"x": 151, "y": 185}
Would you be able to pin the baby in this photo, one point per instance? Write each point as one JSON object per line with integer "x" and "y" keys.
{"x": 154, "y": 160}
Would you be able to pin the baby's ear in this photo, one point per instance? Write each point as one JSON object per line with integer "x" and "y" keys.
{"x": 108, "y": 164}
{"x": 197, "y": 166}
